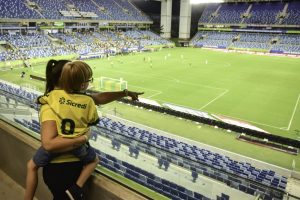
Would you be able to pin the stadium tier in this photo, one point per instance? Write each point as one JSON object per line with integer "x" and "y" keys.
{"x": 261, "y": 26}
{"x": 252, "y": 13}
{"x": 270, "y": 42}
{"x": 293, "y": 13}
{"x": 121, "y": 10}
{"x": 35, "y": 45}
{"x": 229, "y": 13}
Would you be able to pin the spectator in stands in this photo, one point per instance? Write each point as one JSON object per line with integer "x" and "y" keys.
{"x": 72, "y": 120}
{"x": 58, "y": 176}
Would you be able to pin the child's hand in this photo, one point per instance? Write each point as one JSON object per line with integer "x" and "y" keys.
{"x": 88, "y": 135}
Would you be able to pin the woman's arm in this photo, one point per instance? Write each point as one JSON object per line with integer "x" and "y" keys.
{"x": 107, "y": 97}
{"x": 54, "y": 143}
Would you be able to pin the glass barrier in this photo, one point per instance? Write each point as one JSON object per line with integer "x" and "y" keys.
{"x": 171, "y": 166}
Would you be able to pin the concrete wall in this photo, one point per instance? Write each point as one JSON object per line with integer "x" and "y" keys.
{"x": 16, "y": 148}
{"x": 185, "y": 19}
{"x": 166, "y": 18}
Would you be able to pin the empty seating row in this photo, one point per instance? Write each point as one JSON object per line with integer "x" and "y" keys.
{"x": 267, "y": 177}
{"x": 162, "y": 186}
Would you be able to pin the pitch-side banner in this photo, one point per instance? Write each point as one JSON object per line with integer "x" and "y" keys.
{"x": 238, "y": 123}
{"x": 188, "y": 110}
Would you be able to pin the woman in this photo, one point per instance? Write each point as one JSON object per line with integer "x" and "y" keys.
{"x": 63, "y": 171}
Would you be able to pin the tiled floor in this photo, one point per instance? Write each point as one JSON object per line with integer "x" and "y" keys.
{"x": 9, "y": 189}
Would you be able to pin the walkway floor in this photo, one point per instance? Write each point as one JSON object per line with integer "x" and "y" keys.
{"x": 9, "y": 189}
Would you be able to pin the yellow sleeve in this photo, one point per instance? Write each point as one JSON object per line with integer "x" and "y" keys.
{"x": 46, "y": 114}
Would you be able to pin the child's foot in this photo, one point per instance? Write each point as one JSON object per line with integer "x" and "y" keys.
{"x": 75, "y": 192}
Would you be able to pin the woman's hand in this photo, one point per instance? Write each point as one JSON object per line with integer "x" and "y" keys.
{"x": 107, "y": 97}
{"x": 52, "y": 142}
{"x": 134, "y": 95}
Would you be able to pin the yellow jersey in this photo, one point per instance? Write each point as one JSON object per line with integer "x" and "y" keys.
{"x": 46, "y": 114}
{"x": 73, "y": 112}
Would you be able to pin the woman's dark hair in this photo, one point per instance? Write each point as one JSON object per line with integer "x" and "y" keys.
{"x": 53, "y": 72}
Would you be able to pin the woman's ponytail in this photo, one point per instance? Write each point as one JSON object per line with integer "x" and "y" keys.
{"x": 53, "y": 72}
{"x": 49, "y": 75}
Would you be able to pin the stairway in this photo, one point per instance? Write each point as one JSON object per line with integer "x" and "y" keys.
{"x": 247, "y": 13}
{"x": 283, "y": 13}
{"x": 100, "y": 9}
{"x": 215, "y": 14}
{"x": 36, "y": 10}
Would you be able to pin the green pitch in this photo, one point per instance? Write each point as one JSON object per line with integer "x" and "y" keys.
{"x": 261, "y": 90}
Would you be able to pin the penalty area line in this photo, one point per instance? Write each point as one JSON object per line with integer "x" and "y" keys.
{"x": 157, "y": 92}
{"x": 219, "y": 96}
{"x": 254, "y": 122}
{"x": 294, "y": 111}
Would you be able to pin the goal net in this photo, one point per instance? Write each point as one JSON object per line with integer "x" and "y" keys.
{"x": 112, "y": 84}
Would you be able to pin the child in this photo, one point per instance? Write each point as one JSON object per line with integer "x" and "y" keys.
{"x": 75, "y": 112}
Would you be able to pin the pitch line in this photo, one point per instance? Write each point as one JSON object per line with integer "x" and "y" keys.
{"x": 158, "y": 92}
{"x": 202, "y": 85}
{"x": 245, "y": 120}
{"x": 137, "y": 74}
{"x": 292, "y": 117}
{"x": 214, "y": 99}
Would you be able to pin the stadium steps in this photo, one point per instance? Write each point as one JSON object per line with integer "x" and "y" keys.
{"x": 123, "y": 9}
{"x": 13, "y": 47}
{"x": 249, "y": 9}
{"x": 247, "y": 13}
{"x": 215, "y": 14}
{"x": 270, "y": 43}
{"x": 142, "y": 13}
{"x": 36, "y": 10}
{"x": 40, "y": 13}
{"x": 53, "y": 39}
{"x": 100, "y": 9}
{"x": 284, "y": 13}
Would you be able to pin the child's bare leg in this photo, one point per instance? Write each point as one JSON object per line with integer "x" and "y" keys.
{"x": 86, "y": 172}
{"x": 31, "y": 180}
